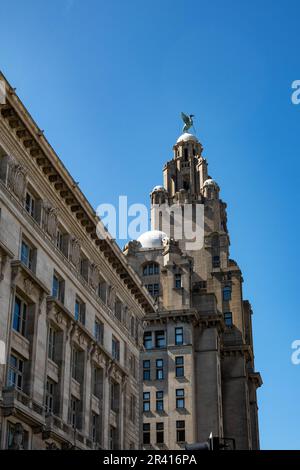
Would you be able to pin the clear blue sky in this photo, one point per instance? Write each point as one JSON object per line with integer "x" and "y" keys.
{"x": 107, "y": 81}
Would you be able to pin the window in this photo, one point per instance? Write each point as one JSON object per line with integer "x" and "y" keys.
{"x": 227, "y": 293}
{"x": 132, "y": 326}
{"x": 153, "y": 289}
{"x": 216, "y": 261}
{"x": 58, "y": 288}
{"x": 12, "y": 429}
{"x": 159, "y": 401}
{"x": 98, "y": 331}
{"x": 27, "y": 255}
{"x": 159, "y": 433}
{"x": 146, "y": 401}
{"x": 20, "y": 316}
{"x": 179, "y": 335}
{"x": 178, "y": 281}
{"x": 160, "y": 339}
{"x": 146, "y": 433}
{"x": 114, "y": 395}
{"x": 76, "y": 363}
{"x": 118, "y": 309}
{"x": 80, "y": 311}
{"x": 148, "y": 340}
{"x": 97, "y": 381}
{"x": 74, "y": 412}
{"x": 15, "y": 372}
{"x": 30, "y": 204}
{"x": 84, "y": 267}
{"x": 113, "y": 438}
{"x": 132, "y": 365}
{"x": 180, "y": 431}
{"x": 51, "y": 343}
{"x": 95, "y": 426}
{"x": 146, "y": 370}
{"x": 132, "y": 410}
{"x": 62, "y": 241}
{"x": 102, "y": 290}
{"x": 180, "y": 401}
{"x": 150, "y": 269}
{"x": 115, "y": 348}
{"x": 49, "y": 399}
{"x": 179, "y": 366}
{"x": 159, "y": 369}
{"x": 228, "y": 318}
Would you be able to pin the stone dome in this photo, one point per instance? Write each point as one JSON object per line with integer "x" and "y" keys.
{"x": 158, "y": 188}
{"x": 210, "y": 182}
{"x": 187, "y": 137}
{"x": 152, "y": 239}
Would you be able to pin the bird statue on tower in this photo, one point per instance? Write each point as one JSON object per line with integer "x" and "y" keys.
{"x": 188, "y": 121}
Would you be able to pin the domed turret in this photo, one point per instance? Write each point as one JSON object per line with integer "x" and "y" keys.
{"x": 152, "y": 239}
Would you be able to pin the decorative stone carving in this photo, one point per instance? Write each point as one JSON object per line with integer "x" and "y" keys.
{"x": 28, "y": 286}
{"x": 75, "y": 251}
{"x": 49, "y": 219}
{"x": 16, "y": 178}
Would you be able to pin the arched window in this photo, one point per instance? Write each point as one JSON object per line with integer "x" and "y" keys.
{"x": 150, "y": 269}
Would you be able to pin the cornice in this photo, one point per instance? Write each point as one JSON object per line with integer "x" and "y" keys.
{"x": 30, "y": 136}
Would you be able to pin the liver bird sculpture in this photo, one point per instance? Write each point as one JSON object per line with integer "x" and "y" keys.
{"x": 188, "y": 121}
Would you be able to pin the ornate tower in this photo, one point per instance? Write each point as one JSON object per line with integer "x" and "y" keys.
{"x": 204, "y": 323}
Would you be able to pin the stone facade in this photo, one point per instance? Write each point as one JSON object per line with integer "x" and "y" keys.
{"x": 198, "y": 362}
{"x": 71, "y": 308}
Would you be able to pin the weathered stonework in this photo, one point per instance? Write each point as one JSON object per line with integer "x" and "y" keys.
{"x": 71, "y": 378}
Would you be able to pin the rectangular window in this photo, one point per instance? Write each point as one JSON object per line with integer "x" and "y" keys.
{"x": 49, "y": 399}
{"x": 113, "y": 438}
{"x": 180, "y": 401}
{"x": 58, "y": 288}
{"x": 98, "y": 331}
{"x": 159, "y": 369}
{"x": 62, "y": 241}
{"x": 227, "y": 293}
{"x": 118, "y": 309}
{"x": 95, "y": 427}
{"x": 102, "y": 290}
{"x": 159, "y": 433}
{"x": 216, "y": 261}
{"x": 179, "y": 366}
{"x": 80, "y": 311}
{"x": 114, "y": 396}
{"x": 160, "y": 339}
{"x": 74, "y": 412}
{"x": 115, "y": 349}
{"x": 180, "y": 431}
{"x": 228, "y": 318}
{"x": 76, "y": 363}
{"x": 159, "y": 401}
{"x": 148, "y": 340}
{"x": 178, "y": 281}
{"x": 179, "y": 335}
{"x": 27, "y": 255}
{"x": 132, "y": 410}
{"x": 20, "y": 316}
{"x": 146, "y": 401}
{"x": 153, "y": 289}
{"x": 146, "y": 433}
{"x": 146, "y": 370}
{"x": 51, "y": 343}
{"x": 30, "y": 204}
{"x": 84, "y": 267}
{"x": 15, "y": 372}
{"x": 97, "y": 381}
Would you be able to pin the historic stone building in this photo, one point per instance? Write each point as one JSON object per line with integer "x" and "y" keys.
{"x": 198, "y": 362}
{"x": 71, "y": 308}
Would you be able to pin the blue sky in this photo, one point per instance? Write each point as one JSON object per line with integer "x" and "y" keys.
{"x": 107, "y": 81}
